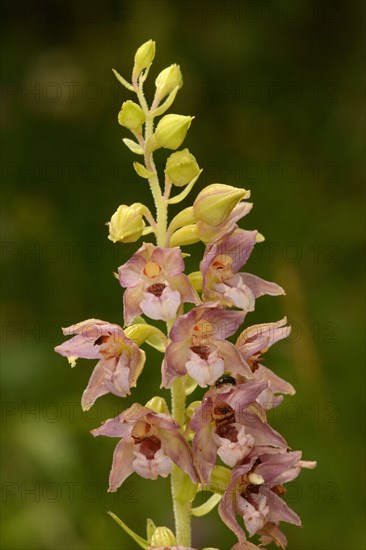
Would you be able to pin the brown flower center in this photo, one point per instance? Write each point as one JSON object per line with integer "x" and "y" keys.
{"x": 202, "y": 351}
{"x": 229, "y": 432}
{"x": 150, "y": 446}
{"x": 156, "y": 289}
{"x": 101, "y": 340}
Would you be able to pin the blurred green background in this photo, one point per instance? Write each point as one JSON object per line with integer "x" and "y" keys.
{"x": 277, "y": 90}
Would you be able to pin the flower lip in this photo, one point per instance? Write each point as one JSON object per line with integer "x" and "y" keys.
{"x": 201, "y": 350}
{"x": 156, "y": 289}
{"x": 149, "y": 446}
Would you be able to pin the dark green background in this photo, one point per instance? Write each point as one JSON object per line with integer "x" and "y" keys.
{"x": 277, "y": 91}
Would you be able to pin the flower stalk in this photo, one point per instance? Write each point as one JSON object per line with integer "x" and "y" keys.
{"x": 230, "y": 423}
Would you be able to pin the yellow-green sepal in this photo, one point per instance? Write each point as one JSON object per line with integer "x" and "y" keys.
{"x": 207, "y": 506}
{"x": 143, "y": 543}
{"x": 142, "y": 171}
{"x": 123, "y": 81}
{"x": 141, "y": 332}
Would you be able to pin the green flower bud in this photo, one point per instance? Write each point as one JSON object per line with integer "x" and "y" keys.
{"x": 181, "y": 168}
{"x": 144, "y": 57}
{"x": 184, "y": 236}
{"x": 163, "y": 537}
{"x": 215, "y": 203}
{"x": 167, "y": 80}
{"x": 126, "y": 225}
{"x": 131, "y": 116}
{"x": 158, "y": 405}
{"x": 171, "y": 131}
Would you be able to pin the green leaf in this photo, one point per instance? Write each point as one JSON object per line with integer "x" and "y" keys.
{"x": 133, "y": 146}
{"x": 123, "y": 81}
{"x": 142, "y": 171}
{"x": 140, "y": 541}
{"x": 207, "y": 506}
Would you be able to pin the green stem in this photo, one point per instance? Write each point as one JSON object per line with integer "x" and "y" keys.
{"x": 182, "y": 508}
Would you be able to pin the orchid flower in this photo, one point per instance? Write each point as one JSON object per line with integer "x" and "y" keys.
{"x": 198, "y": 346}
{"x": 252, "y": 343}
{"x": 120, "y": 360}
{"x": 155, "y": 283}
{"x": 256, "y": 489}
{"x": 221, "y": 280}
{"x": 224, "y": 425}
{"x": 150, "y": 443}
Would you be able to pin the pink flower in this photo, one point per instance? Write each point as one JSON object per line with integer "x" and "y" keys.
{"x": 155, "y": 283}
{"x": 150, "y": 442}
{"x": 219, "y": 266}
{"x": 199, "y": 347}
{"x": 255, "y": 493}
{"x": 253, "y": 342}
{"x": 120, "y": 360}
{"x": 226, "y": 426}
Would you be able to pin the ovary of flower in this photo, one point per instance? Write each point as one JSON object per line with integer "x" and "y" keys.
{"x": 151, "y": 468}
{"x": 231, "y": 452}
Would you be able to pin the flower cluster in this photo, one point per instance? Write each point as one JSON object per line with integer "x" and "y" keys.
{"x": 223, "y": 443}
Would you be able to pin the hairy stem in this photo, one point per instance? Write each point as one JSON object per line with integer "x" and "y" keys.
{"x": 182, "y": 508}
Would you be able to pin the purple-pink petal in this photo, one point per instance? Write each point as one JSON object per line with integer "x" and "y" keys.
{"x": 260, "y": 287}
{"x": 122, "y": 464}
{"x": 278, "y": 509}
{"x": 95, "y": 388}
{"x": 170, "y": 259}
{"x": 204, "y": 449}
{"x": 176, "y": 447}
{"x": 131, "y": 303}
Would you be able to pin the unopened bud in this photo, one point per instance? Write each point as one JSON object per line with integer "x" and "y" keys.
{"x": 158, "y": 405}
{"x": 181, "y": 168}
{"x": 215, "y": 203}
{"x": 163, "y": 536}
{"x": 167, "y": 80}
{"x": 144, "y": 57}
{"x": 171, "y": 131}
{"x": 131, "y": 116}
{"x": 126, "y": 225}
{"x": 185, "y": 236}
